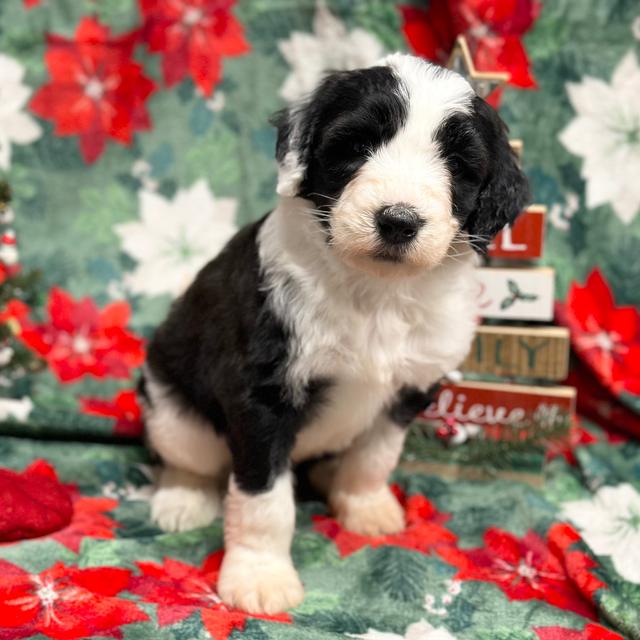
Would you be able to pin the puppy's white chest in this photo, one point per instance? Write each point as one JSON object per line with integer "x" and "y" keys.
{"x": 348, "y": 409}
{"x": 396, "y": 343}
{"x": 366, "y": 360}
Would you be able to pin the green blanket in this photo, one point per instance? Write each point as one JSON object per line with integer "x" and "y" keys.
{"x": 491, "y": 560}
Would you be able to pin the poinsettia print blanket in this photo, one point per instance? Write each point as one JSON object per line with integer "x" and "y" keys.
{"x": 477, "y": 560}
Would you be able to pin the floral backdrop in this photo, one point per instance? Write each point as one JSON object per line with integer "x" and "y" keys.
{"x": 134, "y": 136}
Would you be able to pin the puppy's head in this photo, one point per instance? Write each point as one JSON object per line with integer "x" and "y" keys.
{"x": 399, "y": 160}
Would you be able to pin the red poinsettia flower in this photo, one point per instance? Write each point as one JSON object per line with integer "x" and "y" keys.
{"x": 424, "y": 531}
{"x": 81, "y": 339}
{"x": 181, "y": 589}
{"x": 524, "y": 568}
{"x": 193, "y": 37}
{"x": 14, "y": 312}
{"x": 605, "y": 336}
{"x": 578, "y": 564}
{"x": 96, "y": 90}
{"x": 590, "y": 632}
{"x": 430, "y": 32}
{"x": 64, "y": 602}
{"x": 123, "y": 407}
{"x": 89, "y": 521}
{"x": 31, "y": 3}
{"x": 493, "y": 28}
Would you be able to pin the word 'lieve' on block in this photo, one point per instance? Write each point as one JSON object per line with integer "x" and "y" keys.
{"x": 494, "y": 404}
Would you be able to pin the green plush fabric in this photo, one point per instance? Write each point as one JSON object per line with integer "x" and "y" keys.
{"x": 478, "y": 560}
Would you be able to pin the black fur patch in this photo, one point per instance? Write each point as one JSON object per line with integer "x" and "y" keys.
{"x": 349, "y": 116}
{"x": 141, "y": 390}
{"x": 489, "y": 189}
{"x": 223, "y": 353}
{"x": 409, "y": 402}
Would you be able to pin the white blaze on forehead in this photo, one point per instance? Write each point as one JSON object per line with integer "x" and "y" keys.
{"x": 432, "y": 94}
{"x": 409, "y": 167}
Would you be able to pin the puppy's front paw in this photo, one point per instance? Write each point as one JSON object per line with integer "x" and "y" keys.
{"x": 369, "y": 514}
{"x": 181, "y": 508}
{"x": 259, "y": 582}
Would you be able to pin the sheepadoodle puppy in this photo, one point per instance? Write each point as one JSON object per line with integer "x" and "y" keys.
{"x": 320, "y": 329}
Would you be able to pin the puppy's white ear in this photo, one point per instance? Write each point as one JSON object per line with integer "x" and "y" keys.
{"x": 290, "y": 174}
{"x": 290, "y": 165}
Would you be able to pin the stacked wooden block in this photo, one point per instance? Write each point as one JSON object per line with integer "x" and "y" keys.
{"x": 509, "y": 384}
{"x": 506, "y": 407}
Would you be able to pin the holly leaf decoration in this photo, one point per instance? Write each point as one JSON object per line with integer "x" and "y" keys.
{"x": 512, "y": 285}
{"x": 507, "y": 302}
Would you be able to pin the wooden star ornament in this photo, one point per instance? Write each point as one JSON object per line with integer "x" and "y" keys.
{"x": 483, "y": 82}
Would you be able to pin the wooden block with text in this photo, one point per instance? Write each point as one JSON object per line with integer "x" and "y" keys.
{"x": 491, "y": 405}
{"x": 527, "y": 352}
{"x": 482, "y": 430}
{"x": 524, "y": 239}
{"x": 516, "y": 293}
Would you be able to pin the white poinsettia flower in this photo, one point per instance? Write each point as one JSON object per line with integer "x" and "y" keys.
{"x": 330, "y": 47}
{"x": 421, "y": 630}
{"x": 610, "y": 524}
{"x": 16, "y": 126}
{"x": 175, "y": 238}
{"x": 606, "y": 134}
{"x": 15, "y": 409}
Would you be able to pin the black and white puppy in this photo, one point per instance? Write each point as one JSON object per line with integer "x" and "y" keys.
{"x": 321, "y": 328}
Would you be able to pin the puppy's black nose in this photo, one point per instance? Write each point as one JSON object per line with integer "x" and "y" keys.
{"x": 398, "y": 224}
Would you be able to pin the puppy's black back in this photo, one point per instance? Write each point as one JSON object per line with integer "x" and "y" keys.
{"x": 221, "y": 352}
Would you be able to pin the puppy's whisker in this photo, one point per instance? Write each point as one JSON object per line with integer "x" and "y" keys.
{"x": 463, "y": 235}
{"x": 322, "y": 195}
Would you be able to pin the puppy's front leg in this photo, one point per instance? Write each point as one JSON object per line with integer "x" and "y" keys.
{"x": 257, "y": 573}
{"x": 359, "y": 495}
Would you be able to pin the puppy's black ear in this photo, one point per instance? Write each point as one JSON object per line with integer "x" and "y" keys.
{"x": 282, "y": 121}
{"x": 505, "y": 190}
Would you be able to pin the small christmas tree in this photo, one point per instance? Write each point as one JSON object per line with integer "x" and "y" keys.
{"x": 19, "y": 290}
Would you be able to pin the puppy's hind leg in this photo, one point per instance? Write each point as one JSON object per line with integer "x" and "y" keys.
{"x": 196, "y": 462}
{"x": 359, "y": 495}
{"x": 183, "y": 500}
